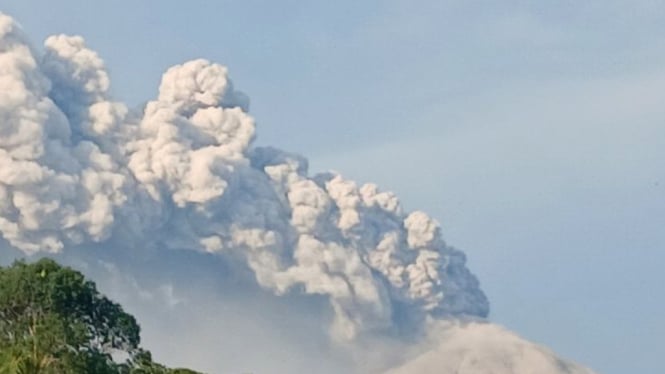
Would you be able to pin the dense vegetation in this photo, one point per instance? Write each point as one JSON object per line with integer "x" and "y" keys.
{"x": 54, "y": 321}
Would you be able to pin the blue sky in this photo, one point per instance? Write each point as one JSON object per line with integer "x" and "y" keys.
{"x": 533, "y": 132}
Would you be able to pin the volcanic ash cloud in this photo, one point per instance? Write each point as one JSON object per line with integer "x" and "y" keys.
{"x": 80, "y": 170}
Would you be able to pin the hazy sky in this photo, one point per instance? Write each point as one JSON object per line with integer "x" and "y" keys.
{"x": 535, "y": 134}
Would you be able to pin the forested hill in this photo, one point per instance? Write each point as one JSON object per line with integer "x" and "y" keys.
{"x": 54, "y": 321}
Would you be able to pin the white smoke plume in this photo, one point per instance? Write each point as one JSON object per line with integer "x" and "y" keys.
{"x": 105, "y": 186}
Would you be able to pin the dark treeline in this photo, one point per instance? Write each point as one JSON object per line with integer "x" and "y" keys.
{"x": 54, "y": 321}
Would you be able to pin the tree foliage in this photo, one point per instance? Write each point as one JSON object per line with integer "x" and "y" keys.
{"x": 53, "y": 321}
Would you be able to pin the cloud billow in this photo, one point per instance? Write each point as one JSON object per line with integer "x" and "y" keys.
{"x": 80, "y": 170}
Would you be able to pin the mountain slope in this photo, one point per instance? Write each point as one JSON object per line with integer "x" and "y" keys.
{"x": 485, "y": 348}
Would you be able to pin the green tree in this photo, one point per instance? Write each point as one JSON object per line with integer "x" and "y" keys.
{"x": 53, "y": 321}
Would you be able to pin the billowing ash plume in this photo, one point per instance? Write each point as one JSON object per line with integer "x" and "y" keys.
{"x": 175, "y": 189}
{"x": 77, "y": 168}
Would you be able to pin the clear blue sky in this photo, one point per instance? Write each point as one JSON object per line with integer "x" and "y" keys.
{"x": 535, "y": 133}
